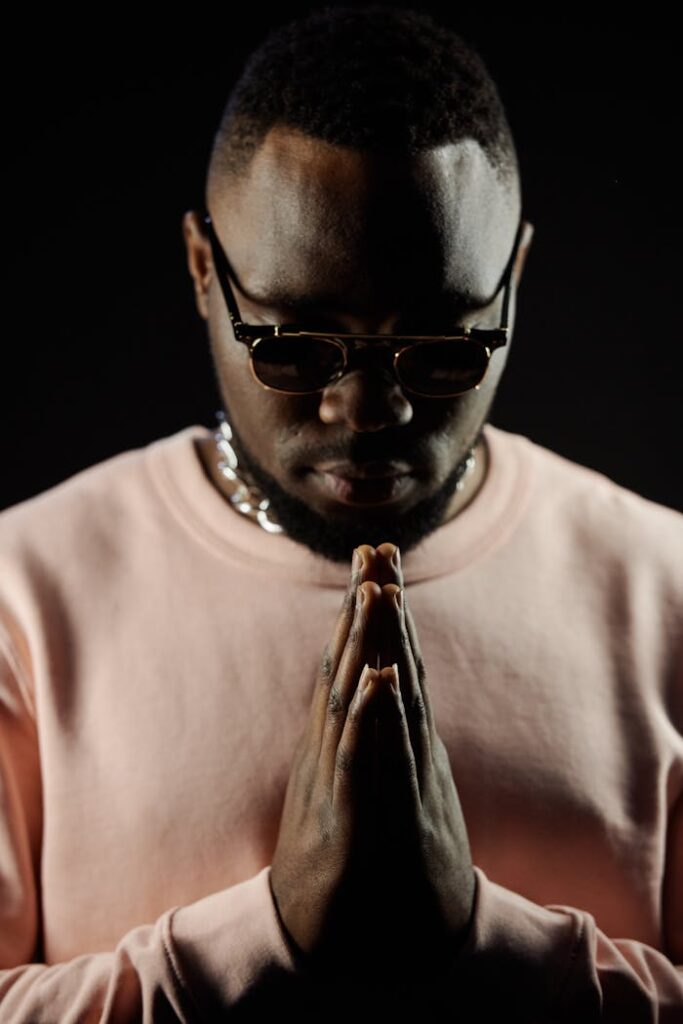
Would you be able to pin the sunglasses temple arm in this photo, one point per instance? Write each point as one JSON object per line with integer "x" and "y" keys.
{"x": 508, "y": 277}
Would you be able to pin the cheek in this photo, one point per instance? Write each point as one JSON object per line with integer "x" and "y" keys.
{"x": 461, "y": 420}
{"x": 496, "y": 365}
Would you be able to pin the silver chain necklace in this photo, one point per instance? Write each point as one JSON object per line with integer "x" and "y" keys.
{"x": 249, "y": 499}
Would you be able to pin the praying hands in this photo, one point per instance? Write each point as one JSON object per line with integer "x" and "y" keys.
{"x": 372, "y": 862}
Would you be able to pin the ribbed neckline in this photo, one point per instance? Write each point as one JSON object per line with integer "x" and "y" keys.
{"x": 485, "y": 523}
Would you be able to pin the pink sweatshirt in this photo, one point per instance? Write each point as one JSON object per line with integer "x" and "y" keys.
{"x": 157, "y": 658}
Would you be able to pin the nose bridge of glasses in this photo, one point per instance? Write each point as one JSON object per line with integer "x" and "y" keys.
{"x": 363, "y": 353}
{"x": 360, "y": 348}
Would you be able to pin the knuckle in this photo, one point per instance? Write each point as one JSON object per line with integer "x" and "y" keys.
{"x": 418, "y": 711}
{"x": 349, "y": 600}
{"x": 355, "y": 635}
{"x": 343, "y": 762}
{"x": 326, "y": 664}
{"x": 334, "y": 702}
{"x": 356, "y": 711}
{"x": 325, "y": 822}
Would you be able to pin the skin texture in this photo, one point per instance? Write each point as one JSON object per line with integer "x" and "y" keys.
{"x": 371, "y": 830}
{"x": 375, "y": 244}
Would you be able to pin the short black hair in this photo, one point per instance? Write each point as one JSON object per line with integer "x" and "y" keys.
{"x": 374, "y": 77}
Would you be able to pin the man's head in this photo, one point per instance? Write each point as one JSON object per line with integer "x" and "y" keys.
{"x": 363, "y": 179}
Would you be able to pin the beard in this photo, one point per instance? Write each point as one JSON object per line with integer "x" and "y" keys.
{"x": 334, "y": 538}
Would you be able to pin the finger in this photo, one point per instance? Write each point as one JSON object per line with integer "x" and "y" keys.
{"x": 398, "y": 790}
{"x": 333, "y": 650}
{"x": 391, "y": 571}
{"x": 348, "y": 762}
{"x": 395, "y": 648}
{"x": 389, "y": 568}
{"x": 421, "y": 671}
{"x": 361, "y": 647}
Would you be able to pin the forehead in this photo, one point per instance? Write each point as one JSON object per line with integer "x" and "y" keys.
{"x": 351, "y": 229}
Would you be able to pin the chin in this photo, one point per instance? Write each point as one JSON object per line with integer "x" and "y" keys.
{"x": 333, "y": 529}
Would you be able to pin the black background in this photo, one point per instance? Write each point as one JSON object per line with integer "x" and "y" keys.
{"x": 108, "y": 129}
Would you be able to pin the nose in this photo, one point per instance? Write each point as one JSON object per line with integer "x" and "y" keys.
{"x": 365, "y": 400}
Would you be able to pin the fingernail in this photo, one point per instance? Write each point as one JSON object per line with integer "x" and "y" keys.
{"x": 394, "y": 679}
{"x": 398, "y": 594}
{"x": 360, "y": 596}
{"x": 363, "y": 683}
{"x": 396, "y": 560}
{"x": 357, "y": 561}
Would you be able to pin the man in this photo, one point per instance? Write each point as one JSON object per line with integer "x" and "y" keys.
{"x": 461, "y": 791}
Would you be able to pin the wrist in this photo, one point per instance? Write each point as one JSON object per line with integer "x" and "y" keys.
{"x": 300, "y": 959}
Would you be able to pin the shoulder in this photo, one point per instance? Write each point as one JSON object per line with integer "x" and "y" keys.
{"x": 75, "y": 543}
{"x": 612, "y": 559}
{"x": 560, "y": 481}
{"x": 85, "y": 510}
{"x": 599, "y": 519}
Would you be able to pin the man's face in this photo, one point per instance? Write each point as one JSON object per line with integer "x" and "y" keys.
{"x": 335, "y": 239}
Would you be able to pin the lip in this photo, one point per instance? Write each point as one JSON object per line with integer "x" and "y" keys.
{"x": 365, "y": 470}
{"x": 369, "y": 490}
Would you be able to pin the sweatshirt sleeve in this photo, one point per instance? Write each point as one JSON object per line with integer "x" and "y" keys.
{"x": 553, "y": 964}
{"x": 192, "y": 963}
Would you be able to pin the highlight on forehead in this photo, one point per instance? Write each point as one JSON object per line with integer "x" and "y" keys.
{"x": 313, "y": 226}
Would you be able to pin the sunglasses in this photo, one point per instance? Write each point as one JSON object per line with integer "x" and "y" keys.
{"x": 301, "y": 362}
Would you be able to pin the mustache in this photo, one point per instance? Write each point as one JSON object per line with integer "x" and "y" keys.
{"x": 366, "y": 449}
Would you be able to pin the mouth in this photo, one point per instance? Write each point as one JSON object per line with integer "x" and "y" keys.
{"x": 368, "y": 484}
{"x": 364, "y": 470}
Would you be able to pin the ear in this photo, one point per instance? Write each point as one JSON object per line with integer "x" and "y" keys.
{"x": 199, "y": 261}
{"x": 522, "y": 251}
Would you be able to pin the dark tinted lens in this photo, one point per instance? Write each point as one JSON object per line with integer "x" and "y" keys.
{"x": 296, "y": 364}
{"x": 442, "y": 367}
